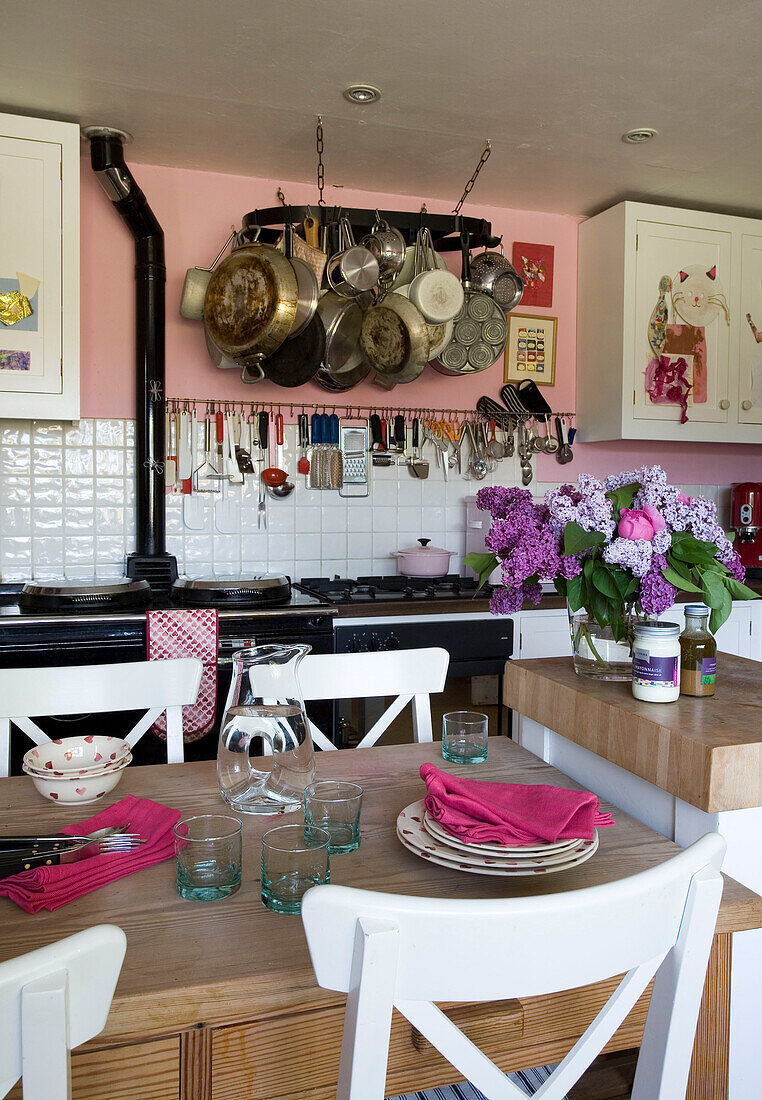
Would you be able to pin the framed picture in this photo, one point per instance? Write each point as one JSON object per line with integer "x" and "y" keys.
{"x": 531, "y": 349}
{"x": 534, "y": 263}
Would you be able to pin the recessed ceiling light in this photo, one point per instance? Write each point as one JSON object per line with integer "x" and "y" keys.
{"x": 639, "y": 135}
{"x": 362, "y": 93}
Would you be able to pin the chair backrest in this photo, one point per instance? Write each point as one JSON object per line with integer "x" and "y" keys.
{"x": 156, "y": 686}
{"x": 52, "y": 1000}
{"x": 385, "y": 950}
{"x": 407, "y": 675}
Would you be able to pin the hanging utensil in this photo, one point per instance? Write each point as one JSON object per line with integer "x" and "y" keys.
{"x": 250, "y": 304}
{"x": 195, "y": 286}
{"x": 353, "y": 270}
{"x": 418, "y": 466}
{"x": 437, "y": 294}
{"x": 309, "y": 249}
{"x": 263, "y": 434}
{"x": 342, "y": 319}
{"x": 492, "y": 273}
{"x": 285, "y": 488}
{"x": 480, "y": 329}
{"x": 298, "y": 358}
{"x": 564, "y": 453}
{"x": 303, "y": 465}
{"x": 387, "y": 245}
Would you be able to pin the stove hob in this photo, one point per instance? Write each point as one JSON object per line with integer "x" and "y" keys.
{"x": 254, "y": 590}
{"x": 342, "y": 590}
{"x": 63, "y": 595}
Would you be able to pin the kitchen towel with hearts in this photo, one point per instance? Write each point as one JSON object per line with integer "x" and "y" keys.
{"x": 191, "y": 633}
{"x": 51, "y": 887}
{"x": 478, "y": 812}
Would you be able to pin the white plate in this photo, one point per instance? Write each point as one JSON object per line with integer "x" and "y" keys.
{"x": 514, "y": 850}
{"x": 521, "y": 871}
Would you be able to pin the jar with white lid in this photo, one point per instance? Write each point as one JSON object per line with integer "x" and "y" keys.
{"x": 656, "y": 662}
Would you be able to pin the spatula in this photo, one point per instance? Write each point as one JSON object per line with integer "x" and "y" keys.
{"x": 193, "y": 506}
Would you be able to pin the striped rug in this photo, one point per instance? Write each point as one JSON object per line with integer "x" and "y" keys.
{"x": 529, "y": 1080}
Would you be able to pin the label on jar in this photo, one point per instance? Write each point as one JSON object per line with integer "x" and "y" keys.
{"x": 708, "y": 670}
{"x": 650, "y": 671}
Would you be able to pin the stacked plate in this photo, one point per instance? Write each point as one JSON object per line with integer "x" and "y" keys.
{"x": 426, "y": 838}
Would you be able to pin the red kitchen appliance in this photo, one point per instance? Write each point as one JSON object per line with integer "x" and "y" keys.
{"x": 746, "y": 520}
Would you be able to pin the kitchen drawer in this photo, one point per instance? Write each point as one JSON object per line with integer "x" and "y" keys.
{"x": 139, "y": 1071}
{"x": 296, "y": 1057}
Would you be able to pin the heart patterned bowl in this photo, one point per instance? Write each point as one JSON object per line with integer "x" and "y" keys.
{"x": 78, "y": 790}
{"x": 81, "y": 755}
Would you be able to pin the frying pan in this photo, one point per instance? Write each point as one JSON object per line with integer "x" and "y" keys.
{"x": 297, "y": 359}
{"x": 480, "y": 329}
{"x": 395, "y": 339}
{"x": 250, "y": 303}
{"x": 342, "y": 321}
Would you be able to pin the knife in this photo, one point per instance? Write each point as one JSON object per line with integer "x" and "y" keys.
{"x": 23, "y": 858}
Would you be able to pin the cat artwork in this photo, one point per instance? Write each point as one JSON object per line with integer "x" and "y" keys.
{"x": 698, "y": 297}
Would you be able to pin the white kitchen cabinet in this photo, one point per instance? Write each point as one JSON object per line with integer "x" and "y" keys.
{"x": 542, "y": 633}
{"x": 623, "y": 253}
{"x": 737, "y": 635}
{"x": 39, "y": 256}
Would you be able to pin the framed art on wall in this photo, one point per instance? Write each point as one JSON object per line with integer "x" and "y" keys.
{"x": 534, "y": 263}
{"x": 531, "y": 349}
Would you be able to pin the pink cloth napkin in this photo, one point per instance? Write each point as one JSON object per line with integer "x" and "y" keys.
{"x": 509, "y": 813}
{"x": 51, "y": 887}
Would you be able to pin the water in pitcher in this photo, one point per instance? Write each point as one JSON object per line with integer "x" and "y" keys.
{"x": 265, "y": 718}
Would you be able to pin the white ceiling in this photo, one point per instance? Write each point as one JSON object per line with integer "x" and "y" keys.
{"x": 235, "y": 85}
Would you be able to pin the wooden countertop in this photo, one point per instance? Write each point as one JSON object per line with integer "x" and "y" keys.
{"x": 223, "y": 962}
{"x": 706, "y": 751}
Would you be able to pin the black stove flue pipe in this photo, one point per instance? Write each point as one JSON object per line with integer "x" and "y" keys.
{"x": 150, "y": 560}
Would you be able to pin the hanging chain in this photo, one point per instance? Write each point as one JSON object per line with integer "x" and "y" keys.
{"x": 320, "y": 165}
{"x": 280, "y": 196}
{"x": 469, "y": 186}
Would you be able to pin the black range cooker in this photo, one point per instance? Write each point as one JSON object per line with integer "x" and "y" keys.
{"x": 64, "y": 624}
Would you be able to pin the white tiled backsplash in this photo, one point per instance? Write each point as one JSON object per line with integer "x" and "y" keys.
{"x": 67, "y": 506}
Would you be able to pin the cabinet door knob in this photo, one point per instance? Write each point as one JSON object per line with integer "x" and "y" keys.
{"x": 724, "y": 404}
{"x": 746, "y": 405}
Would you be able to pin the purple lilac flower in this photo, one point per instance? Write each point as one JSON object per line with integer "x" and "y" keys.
{"x": 633, "y": 554}
{"x": 656, "y": 593}
{"x": 585, "y": 504}
{"x": 507, "y": 601}
{"x": 662, "y": 541}
{"x": 501, "y": 502}
{"x": 731, "y": 559}
{"x": 616, "y": 481}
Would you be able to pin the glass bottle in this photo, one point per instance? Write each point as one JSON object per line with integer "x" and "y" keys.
{"x": 699, "y": 653}
{"x": 265, "y": 713}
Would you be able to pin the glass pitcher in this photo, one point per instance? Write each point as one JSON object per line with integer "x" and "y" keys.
{"x": 264, "y": 710}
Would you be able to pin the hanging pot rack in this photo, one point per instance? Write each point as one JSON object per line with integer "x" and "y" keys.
{"x": 267, "y": 225}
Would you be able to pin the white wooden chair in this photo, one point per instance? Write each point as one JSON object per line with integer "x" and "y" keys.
{"x": 408, "y": 675}
{"x": 156, "y": 686}
{"x": 52, "y": 1000}
{"x": 389, "y": 951}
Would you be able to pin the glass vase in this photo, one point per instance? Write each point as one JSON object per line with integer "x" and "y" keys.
{"x": 264, "y": 714}
{"x": 596, "y": 652}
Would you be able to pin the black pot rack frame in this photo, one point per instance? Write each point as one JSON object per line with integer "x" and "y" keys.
{"x": 445, "y": 229}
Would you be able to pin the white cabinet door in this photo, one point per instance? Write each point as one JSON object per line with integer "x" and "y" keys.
{"x": 670, "y": 250}
{"x": 750, "y": 378}
{"x": 39, "y": 258}
{"x": 543, "y": 634}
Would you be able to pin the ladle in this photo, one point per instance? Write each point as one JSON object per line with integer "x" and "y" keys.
{"x": 282, "y": 488}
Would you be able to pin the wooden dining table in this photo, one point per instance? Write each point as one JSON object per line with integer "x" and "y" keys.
{"x": 218, "y": 1001}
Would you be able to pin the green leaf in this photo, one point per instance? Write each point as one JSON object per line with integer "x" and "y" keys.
{"x": 678, "y": 580}
{"x": 574, "y": 593}
{"x": 680, "y": 567}
{"x": 622, "y": 497}
{"x": 713, "y": 590}
{"x": 730, "y": 536}
{"x": 621, "y": 580}
{"x": 721, "y": 613}
{"x": 605, "y": 583}
{"x": 560, "y": 585}
{"x": 632, "y": 588}
{"x": 694, "y": 550}
{"x": 739, "y": 591}
{"x": 482, "y": 565}
{"x": 577, "y": 540}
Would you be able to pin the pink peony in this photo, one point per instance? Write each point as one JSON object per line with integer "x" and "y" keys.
{"x": 657, "y": 519}
{"x": 683, "y": 498}
{"x": 635, "y": 523}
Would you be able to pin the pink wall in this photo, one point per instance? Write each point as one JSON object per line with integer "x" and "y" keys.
{"x": 197, "y": 209}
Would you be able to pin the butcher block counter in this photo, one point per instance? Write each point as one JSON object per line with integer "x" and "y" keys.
{"x": 707, "y": 752}
{"x": 684, "y": 769}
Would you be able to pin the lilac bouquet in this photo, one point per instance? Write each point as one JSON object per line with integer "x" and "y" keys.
{"x": 616, "y": 548}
